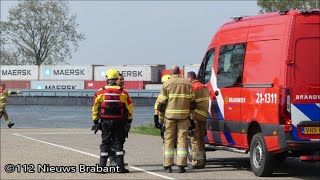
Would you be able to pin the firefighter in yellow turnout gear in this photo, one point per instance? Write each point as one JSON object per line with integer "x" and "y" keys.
{"x": 4, "y": 94}
{"x": 175, "y": 103}
{"x": 157, "y": 116}
{"x": 114, "y": 107}
{"x": 200, "y": 118}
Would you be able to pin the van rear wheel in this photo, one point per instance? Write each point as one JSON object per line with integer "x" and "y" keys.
{"x": 261, "y": 160}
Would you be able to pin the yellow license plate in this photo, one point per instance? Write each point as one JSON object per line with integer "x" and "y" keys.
{"x": 310, "y": 130}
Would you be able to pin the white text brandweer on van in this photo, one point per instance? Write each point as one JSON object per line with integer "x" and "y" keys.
{"x": 314, "y": 96}
{"x": 237, "y": 100}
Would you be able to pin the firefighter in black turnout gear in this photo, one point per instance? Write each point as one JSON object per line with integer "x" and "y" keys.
{"x": 114, "y": 108}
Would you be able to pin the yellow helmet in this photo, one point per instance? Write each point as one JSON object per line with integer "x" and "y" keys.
{"x": 112, "y": 74}
{"x": 164, "y": 78}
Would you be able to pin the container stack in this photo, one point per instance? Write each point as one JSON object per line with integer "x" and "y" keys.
{"x": 77, "y": 77}
{"x": 18, "y": 77}
{"x": 62, "y": 77}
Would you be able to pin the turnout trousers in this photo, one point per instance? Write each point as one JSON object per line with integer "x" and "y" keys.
{"x": 113, "y": 133}
{"x": 4, "y": 113}
{"x": 197, "y": 141}
{"x": 176, "y": 131}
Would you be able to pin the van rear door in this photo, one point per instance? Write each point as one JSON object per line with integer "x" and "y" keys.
{"x": 305, "y": 79}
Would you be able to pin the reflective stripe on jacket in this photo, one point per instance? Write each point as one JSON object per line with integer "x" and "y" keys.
{"x": 108, "y": 94}
{"x": 177, "y": 94}
{"x": 202, "y": 101}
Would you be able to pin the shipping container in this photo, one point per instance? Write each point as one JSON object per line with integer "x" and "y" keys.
{"x": 94, "y": 84}
{"x": 18, "y": 72}
{"x": 81, "y": 72}
{"x": 127, "y": 84}
{"x": 16, "y": 84}
{"x": 153, "y": 86}
{"x": 168, "y": 72}
{"x": 133, "y": 85}
{"x": 57, "y": 84}
{"x": 165, "y": 72}
{"x": 192, "y": 67}
{"x": 149, "y": 73}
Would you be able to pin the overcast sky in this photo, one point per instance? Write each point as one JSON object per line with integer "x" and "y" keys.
{"x": 148, "y": 32}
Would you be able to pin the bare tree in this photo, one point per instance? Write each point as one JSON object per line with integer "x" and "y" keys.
{"x": 283, "y": 5}
{"x": 39, "y": 32}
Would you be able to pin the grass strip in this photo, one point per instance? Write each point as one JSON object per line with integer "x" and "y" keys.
{"x": 146, "y": 129}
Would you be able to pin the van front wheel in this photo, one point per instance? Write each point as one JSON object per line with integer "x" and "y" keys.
{"x": 261, "y": 160}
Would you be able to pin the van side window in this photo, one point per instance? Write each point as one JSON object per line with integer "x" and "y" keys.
{"x": 230, "y": 65}
{"x": 206, "y": 67}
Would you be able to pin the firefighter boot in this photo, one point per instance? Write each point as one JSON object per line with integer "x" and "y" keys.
{"x": 120, "y": 163}
{"x": 181, "y": 169}
{"x": 168, "y": 169}
{"x": 10, "y": 125}
{"x": 112, "y": 161}
{"x": 103, "y": 161}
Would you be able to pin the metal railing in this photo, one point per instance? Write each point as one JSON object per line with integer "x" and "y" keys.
{"x": 82, "y": 93}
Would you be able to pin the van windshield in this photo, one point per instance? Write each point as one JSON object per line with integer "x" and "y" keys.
{"x": 307, "y": 62}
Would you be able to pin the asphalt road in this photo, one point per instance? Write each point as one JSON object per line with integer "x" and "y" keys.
{"x": 32, "y": 148}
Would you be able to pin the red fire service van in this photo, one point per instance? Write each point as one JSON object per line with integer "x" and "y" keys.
{"x": 264, "y": 81}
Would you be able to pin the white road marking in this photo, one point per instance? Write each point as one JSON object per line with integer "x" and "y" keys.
{"x": 89, "y": 154}
{"x": 57, "y": 133}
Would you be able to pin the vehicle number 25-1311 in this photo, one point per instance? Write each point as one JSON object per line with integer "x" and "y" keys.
{"x": 266, "y": 98}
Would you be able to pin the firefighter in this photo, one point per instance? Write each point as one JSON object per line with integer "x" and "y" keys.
{"x": 4, "y": 94}
{"x": 175, "y": 104}
{"x": 120, "y": 82}
{"x": 156, "y": 118}
{"x": 200, "y": 118}
{"x": 112, "y": 104}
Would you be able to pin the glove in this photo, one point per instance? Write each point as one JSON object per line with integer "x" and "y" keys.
{"x": 96, "y": 126}
{"x": 190, "y": 132}
{"x": 162, "y": 129}
{"x": 96, "y": 121}
{"x": 193, "y": 105}
{"x": 192, "y": 124}
{"x": 127, "y": 128}
{"x": 156, "y": 121}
